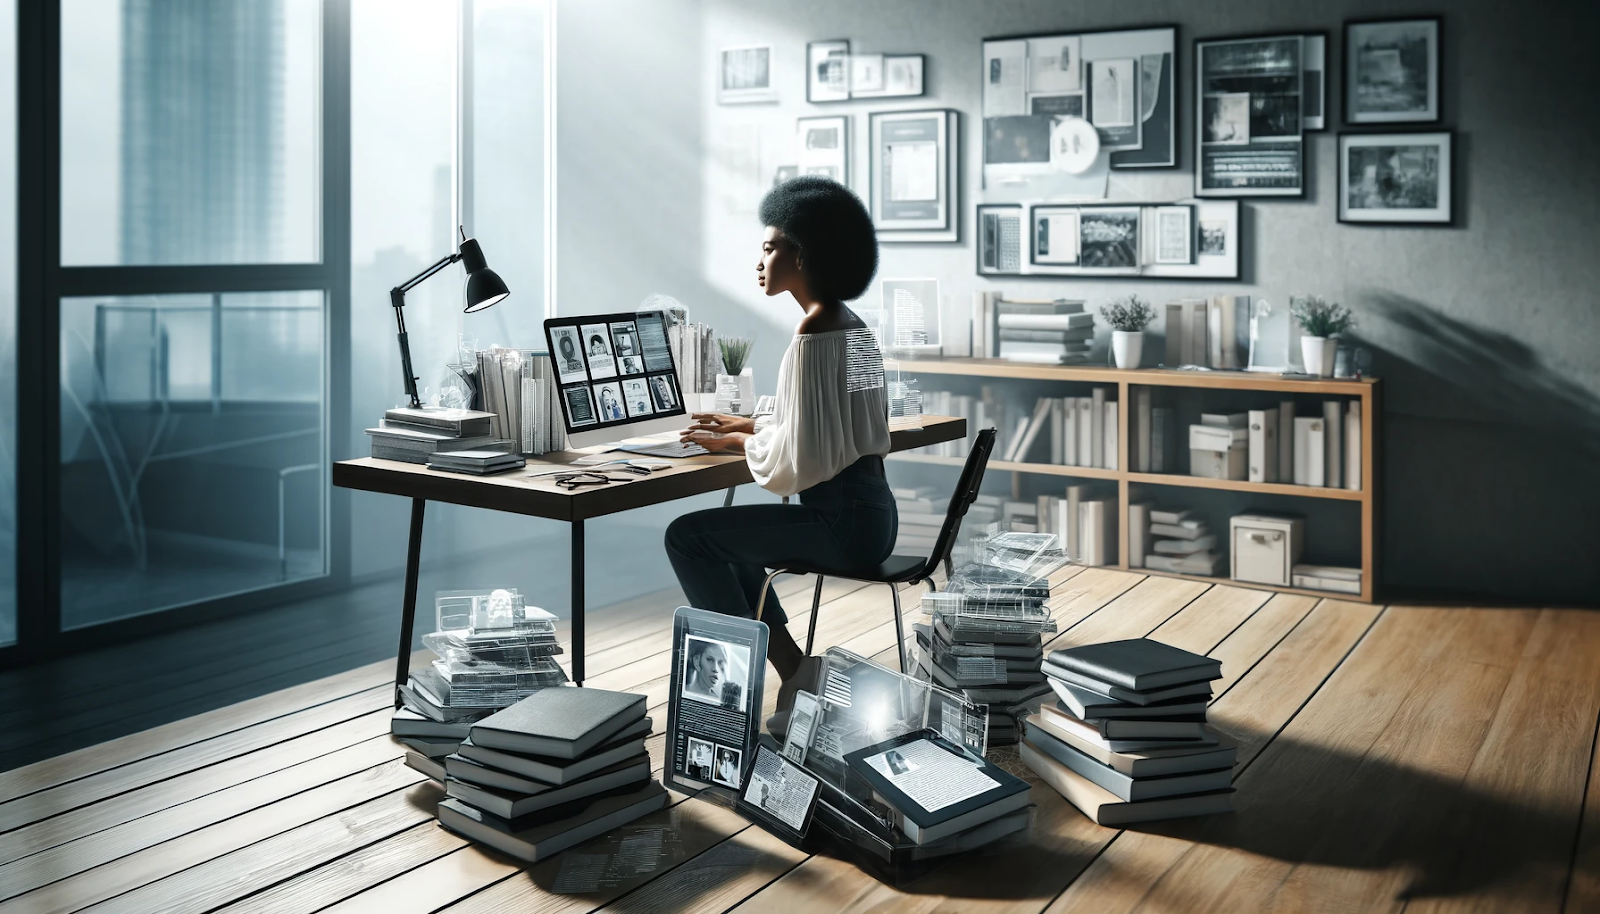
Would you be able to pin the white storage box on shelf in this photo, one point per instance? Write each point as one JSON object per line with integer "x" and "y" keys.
{"x": 1265, "y": 547}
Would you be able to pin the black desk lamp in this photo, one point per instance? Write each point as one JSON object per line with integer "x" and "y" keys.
{"x": 484, "y": 289}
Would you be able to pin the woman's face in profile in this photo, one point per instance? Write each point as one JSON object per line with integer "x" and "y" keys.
{"x": 778, "y": 271}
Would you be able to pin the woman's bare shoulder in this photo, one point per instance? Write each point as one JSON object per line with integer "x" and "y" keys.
{"x": 829, "y": 321}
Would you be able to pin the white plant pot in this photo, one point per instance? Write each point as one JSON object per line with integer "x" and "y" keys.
{"x": 1127, "y": 347}
{"x": 1319, "y": 353}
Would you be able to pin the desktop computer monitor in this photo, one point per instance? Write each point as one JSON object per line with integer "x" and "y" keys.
{"x": 617, "y": 376}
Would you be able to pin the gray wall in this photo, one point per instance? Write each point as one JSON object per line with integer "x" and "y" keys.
{"x": 1485, "y": 332}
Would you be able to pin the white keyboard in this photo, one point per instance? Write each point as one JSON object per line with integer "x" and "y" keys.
{"x": 665, "y": 449}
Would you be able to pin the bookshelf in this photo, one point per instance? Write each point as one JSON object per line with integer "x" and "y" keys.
{"x": 1365, "y": 390}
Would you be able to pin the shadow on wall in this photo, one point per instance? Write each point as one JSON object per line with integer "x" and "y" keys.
{"x": 1489, "y": 462}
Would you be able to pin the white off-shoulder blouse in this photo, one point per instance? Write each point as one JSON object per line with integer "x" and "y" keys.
{"x": 831, "y": 409}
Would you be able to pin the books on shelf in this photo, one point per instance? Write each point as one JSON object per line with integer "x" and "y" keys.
{"x": 1337, "y": 579}
{"x": 1263, "y": 445}
{"x": 1139, "y": 543}
{"x": 1333, "y": 448}
{"x": 1352, "y": 446}
{"x": 1309, "y": 451}
{"x": 1144, "y": 753}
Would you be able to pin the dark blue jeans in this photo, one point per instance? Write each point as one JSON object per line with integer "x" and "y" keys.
{"x": 721, "y": 555}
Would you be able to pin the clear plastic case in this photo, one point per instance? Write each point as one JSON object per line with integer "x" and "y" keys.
{"x": 493, "y": 651}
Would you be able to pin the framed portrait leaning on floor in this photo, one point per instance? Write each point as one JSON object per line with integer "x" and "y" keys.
{"x": 1396, "y": 178}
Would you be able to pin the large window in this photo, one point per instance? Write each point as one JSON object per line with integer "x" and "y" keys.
{"x": 192, "y": 448}
{"x": 189, "y": 131}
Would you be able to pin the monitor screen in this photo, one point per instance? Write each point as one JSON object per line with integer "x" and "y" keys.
{"x": 614, "y": 370}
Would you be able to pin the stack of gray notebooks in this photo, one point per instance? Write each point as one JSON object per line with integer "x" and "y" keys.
{"x": 1127, "y": 741}
{"x": 551, "y": 771}
{"x": 416, "y": 435}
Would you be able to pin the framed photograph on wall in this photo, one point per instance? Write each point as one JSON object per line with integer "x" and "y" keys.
{"x": 1122, "y": 81}
{"x": 744, "y": 75}
{"x": 1391, "y": 71}
{"x": 822, "y": 147}
{"x": 1054, "y": 235}
{"x": 1171, "y": 235}
{"x": 901, "y": 76}
{"x": 828, "y": 71}
{"x": 1108, "y": 239}
{"x": 1000, "y": 234}
{"x": 1249, "y": 131}
{"x": 1395, "y": 178}
{"x": 914, "y": 175}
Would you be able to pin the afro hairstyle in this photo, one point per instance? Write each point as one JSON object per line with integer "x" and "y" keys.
{"x": 837, "y": 242}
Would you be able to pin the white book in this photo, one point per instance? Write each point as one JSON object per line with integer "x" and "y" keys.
{"x": 1263, "y": 445}
{"x": 1045, "y": 321}
{"x": 1086, "y": 407}
{"x": 1308, "y": 451}
{"x": 1138, "y": 533}
{"x": 1332, "y": 572}
{"x": 1211, "y": 438}
{"x": 1074, "y": 527}
{"x": 980, "y": 324}
{"x": 1057, "y": 447}
{"x": 1110, "y": 432}
{"x": 1285, "y": 440}
{"x": 1185, "y": 531}
{"x": 1337, "y": 585}
{"x": 1333, "y": 442}
{"x": 1069, "y": 431}
{"x": 1097, "y": 428}
{"x": 1095, "y": 533}
{"x": 1199, "y": 563}
{"x": 1174, "y": 330}
{"x": 1184, "y": 546}
{"x": 1017, "y": 434}
{"x": 1142, "y": 398}
{"x": 1065, "y": 524}
{"x": 1214, "y": 348}
{"x": 1352, "y": 446}
{"x": 1225, "y": 420}
{"x": 1185, "y": 518}
{"x": 1198, "y": 347}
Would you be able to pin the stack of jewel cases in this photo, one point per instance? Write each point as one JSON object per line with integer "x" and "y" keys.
{"x": 492, "y": 652}
{"x": 985, "y": 632}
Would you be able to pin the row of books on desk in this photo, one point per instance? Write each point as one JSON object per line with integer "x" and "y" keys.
{"x": 457, "y": 440}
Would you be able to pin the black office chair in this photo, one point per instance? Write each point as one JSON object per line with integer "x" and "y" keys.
{"x": 903, "y": 569}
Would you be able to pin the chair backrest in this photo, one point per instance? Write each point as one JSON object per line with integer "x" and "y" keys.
{"x": 966, "y": 493}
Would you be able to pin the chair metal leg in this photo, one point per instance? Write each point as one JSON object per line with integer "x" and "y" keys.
{"x": 816, "y": 603}
{"x": 761, "y": 602}
{"x": 899, "y": 629}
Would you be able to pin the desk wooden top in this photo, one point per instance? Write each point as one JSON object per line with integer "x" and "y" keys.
{"x": 525, "y": 491}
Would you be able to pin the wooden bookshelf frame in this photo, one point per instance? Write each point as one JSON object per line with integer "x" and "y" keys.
{"x": 1365, "y": 390}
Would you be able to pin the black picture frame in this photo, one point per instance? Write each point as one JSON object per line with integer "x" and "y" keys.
{"x": 1447, "y": 178}
{"x": 1352, "y": 72}
{"x": 811, "y": 76}
{"x": 1200, "y": 190}
{"x": 1032, "y": 235}
{"x": 982, "y": 238}
{"x": 1169, "y": 86}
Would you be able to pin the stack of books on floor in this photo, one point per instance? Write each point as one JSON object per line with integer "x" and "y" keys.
{"x": 985, "y": 639}
{"x": 475, "y": 674}
{"x": 416, "y": 435}
{"x": 1180, "y": 542}
{"x": 552, "y": 771}
{"x": 1127, "y": 741}
{"x": 921, "y": 510}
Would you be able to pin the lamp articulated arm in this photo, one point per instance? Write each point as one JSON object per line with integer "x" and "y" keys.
{"x": 397, "y": 298}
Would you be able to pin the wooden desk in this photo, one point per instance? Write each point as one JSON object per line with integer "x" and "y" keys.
{"x": 527, "y": 492}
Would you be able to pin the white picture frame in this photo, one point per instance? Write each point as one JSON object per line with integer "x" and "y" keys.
{"x": 744, "y": 75}
{"x": 822, "y": 147}
{"x": 913, "y": 178}
{"x": 828, "y": 71}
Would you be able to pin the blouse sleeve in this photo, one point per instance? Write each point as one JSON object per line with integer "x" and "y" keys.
{"x": 819, "y": 424}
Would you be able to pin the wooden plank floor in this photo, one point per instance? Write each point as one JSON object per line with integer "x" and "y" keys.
{"x": 1392, "y": 758}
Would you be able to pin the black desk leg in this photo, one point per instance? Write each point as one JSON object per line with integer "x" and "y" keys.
{"x": 402, "y": 670}
{"x": 577, "y": 602}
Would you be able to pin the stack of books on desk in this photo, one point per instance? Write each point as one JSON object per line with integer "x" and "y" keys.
{"x": 1128, "y": 741}
{"x": 1047, "y": 333}
{"x": 415, "y": 435}
{"x": 551, "y": 771}
{"x": 474, "y": 675}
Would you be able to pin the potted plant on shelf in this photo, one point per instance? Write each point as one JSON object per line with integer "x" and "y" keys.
{"x": 1322, "y": 320}
{"x": 1128, "y": 317}
{"x": 736, "y": 389}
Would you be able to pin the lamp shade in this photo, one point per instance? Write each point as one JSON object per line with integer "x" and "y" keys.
{"x": 485, "y": 288}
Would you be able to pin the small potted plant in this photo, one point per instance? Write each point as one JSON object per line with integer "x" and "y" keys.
{"x": 736, "y": 389}
{"x": 1322, "y": 320}
{"x": 1128, "y": 317}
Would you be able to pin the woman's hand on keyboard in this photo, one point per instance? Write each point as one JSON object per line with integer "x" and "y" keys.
{"x": 721, "y": 424}
{"x": 726, "y": 443}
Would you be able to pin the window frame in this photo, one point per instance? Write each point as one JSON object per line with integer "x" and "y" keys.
{"x": 42, "y": 283}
